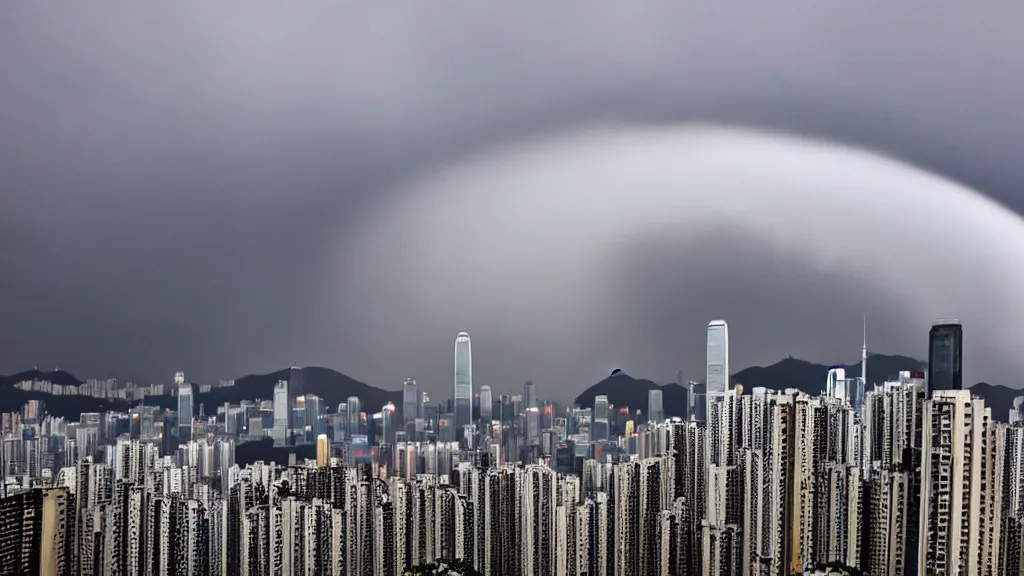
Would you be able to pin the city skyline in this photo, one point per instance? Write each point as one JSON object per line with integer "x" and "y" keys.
{"x": 894, "y": 478}
{"x": 463, "y": 369}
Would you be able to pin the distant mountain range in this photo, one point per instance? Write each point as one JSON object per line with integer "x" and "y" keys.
{"x": 332, "y": 386}
{"x": 12, "y": 399}
{"x": 622, "y": 390}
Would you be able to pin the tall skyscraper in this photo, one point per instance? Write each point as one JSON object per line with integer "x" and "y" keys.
{"x": 600, "y": 427}
{"x": 655, "y": 407}
{"x": 185, "y": 412}
{"x": 945, "y": 346}
{"x": 717, "y": 362}
{"x": 835, "y": 385}
{"x": 352, "y": 410}
{"x": 295, "y": 391}
{"x": 410, "y": 401}
{"x": 386, "y": 415}
{"x": 864, "y": 360}
{"x": 311, "y": 417}
{"x": 323, "y": 451}
{"x": 463, "y": 381}
{"x": 529, "y": 395}
{"x": 295, "y": 385}
{"x": 486, "y": 401}
{"x": 282, "y": 413}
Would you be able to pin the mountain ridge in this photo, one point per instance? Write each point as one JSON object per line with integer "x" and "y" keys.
{"x": 624, "y": 390}
{"x": 335, "y": 387}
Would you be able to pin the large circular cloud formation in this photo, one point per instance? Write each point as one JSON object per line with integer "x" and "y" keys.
{"x": 574, "y": 253}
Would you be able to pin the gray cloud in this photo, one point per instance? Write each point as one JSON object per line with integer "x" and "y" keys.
{"x": 176, "y": 182}
{"x": 617, "y": 246}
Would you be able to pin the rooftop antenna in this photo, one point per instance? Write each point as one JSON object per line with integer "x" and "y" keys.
{"x": 864, "y": 352}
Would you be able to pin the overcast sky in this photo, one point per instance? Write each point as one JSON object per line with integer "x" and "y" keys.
{"x": 233, "y": 187}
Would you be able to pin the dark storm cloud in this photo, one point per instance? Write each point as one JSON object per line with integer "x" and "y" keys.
{"x": 174, "y": 179}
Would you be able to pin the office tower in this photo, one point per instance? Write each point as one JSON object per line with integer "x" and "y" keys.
{"x": 296, "y": 399}
{"x": 341, "y": 423}
{"x": 185, "y": 412}
{"x": 600, "y": 428}
{"x": 1017, "y": 411}
{"x": 446, "y": 427}
{"x": 961, "y": 485}
{"x": 945, "y": 363}
{"x": 859, "y": 399}
{"x": 282, "y": 411}
{"x": 296, "y": 387}
{"x": 486, "y": 404}
{"x": 323, "y": 451}
{"x": 835, "y": 384}
{"x": 717, "y": 363}
{"x": 463, "y": 381}
{"x": 655, "y": 408}
{"x": 529, "y": 395}
{"x": 387, "y": 413}
{"x": 533, "y": 426}
{"x": 410, "y": 401}
{"x": 354, "y": 416}
{"x": 307, "y": 415}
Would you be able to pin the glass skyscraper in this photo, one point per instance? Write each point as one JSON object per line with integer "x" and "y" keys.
{"x": 354, "y": 423}
{"x": 463, "y": 381}
{"x": 282, "y": 413}
{"x": 655, "y": 407}
{"x": 945, "y": 349}
{"x": 410, "y": 401}
{"x": 486, "y": 402}
{"x": 295, "y": 384}
{"x": 600, "y": 429}
{"x": 529, "y": 395}
{"x": 718, "y": 361}
{"x": 185, "y": 412}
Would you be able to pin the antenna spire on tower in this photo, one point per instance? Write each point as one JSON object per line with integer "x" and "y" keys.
{"x": 864, "y": 353}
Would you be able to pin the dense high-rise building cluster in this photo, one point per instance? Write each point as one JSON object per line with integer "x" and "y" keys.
{"x": 906, "y": 477}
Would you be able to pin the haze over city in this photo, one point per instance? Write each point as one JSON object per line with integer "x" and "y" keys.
{"x": 222, "y": 191}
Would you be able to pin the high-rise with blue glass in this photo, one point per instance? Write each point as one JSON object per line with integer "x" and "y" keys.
{"x": 463, "y": 381}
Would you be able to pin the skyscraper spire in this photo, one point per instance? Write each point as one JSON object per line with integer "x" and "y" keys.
{"x": 864, "y": 354}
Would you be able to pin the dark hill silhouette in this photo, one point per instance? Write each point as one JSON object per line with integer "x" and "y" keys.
{"x": 332, "y": 386}
{"x": 999, "y": 398}
{"x": 67, "y": 407}
{"x": 621, "y": 389}
{"x": 56, "y": 376}
{"x": 810, "y": 377}
{"x": 624, "y": 390}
